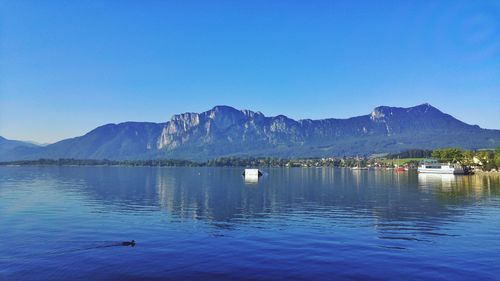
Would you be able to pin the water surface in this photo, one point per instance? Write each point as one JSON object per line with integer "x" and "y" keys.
{"x": 64, "y": 223}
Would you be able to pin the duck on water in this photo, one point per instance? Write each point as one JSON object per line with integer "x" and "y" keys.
{"x": 128, "y": 243}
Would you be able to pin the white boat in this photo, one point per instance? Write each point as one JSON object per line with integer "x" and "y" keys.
{"x": 432, "y": 166}
{"x": 359, "y": 168}
{"x": 252, "y": 175}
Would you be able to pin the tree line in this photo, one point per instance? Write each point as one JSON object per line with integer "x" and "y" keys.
{"x": 485, "y": 159}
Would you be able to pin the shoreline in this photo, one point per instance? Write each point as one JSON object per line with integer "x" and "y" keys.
{"x": 487, "y": 173}
{"x": 5, "y": 164}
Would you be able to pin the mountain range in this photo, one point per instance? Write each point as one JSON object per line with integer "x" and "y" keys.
{"x": 226, "y": 131}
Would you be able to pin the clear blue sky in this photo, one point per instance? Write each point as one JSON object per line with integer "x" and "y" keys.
{"x": 67, "y": 67}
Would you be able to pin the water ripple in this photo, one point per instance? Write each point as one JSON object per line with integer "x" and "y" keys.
{"x": 204, "y": 223}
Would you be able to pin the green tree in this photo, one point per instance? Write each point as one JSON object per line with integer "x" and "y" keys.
{"x": 497, "y": 157}
{"x": 448, "y": 154}
{"x": 467, "y": 158}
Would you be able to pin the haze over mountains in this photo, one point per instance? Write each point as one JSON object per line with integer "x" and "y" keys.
{"x": 225, "y": 131}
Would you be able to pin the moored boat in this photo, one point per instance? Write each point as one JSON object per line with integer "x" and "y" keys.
{"x": 359, "y": 168}
{"x": 399, "y": 169}
{"x": 252, "y": 173}
{"x": 432, "y": 166}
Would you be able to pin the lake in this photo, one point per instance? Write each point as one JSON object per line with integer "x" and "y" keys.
{"x": 67, "y": 223}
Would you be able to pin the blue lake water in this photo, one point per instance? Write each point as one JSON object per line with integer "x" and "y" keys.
{"x": 64, "y": 223}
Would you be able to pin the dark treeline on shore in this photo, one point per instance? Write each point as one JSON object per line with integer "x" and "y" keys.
{"x": 411, "y": 153}
{"x": 218, "y": 162}
{"x": 485, "y": 159}
{"x": 103, "y": 162}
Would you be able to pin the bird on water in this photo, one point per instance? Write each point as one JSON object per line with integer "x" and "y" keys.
{"x": 128, "y": 243}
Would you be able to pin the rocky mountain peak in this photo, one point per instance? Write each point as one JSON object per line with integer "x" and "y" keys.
{"x": 378, "y": 113}
{"x": 223, "y": 116}
{"x": 423, "y": 108}
{"x": 384, "y": 112}
{"x": 223, "y": 109}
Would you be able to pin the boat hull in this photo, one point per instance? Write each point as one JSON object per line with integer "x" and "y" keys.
{"x": 455, "y": 171}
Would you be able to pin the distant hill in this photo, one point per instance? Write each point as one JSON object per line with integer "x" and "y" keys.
{"x": 225, "y": 131}
{"x": 8, "y": 145}
{"x": 129, "y": 140}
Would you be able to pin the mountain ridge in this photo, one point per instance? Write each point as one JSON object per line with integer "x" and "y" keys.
{"x": 227, "y": 131}
{"x": 7, "y": 144}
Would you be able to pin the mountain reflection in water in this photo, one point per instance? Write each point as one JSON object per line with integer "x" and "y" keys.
{"x": 209, "y": 223}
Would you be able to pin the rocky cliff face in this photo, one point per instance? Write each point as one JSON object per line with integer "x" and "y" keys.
{"x": 224, "y": 131}
{"x": 232, "y": 128}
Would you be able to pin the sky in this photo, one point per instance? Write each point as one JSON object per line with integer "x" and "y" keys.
{"x": 67, "y": 67}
